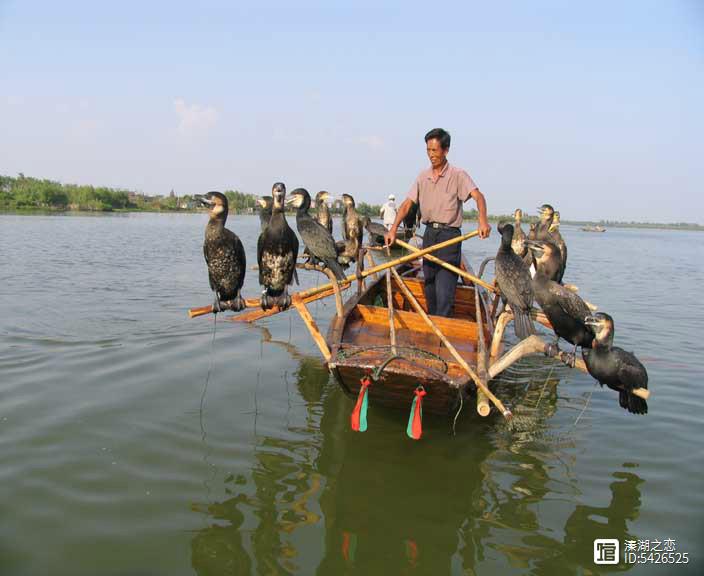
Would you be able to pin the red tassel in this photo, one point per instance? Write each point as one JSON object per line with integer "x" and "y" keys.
{"x": 358, "y": 418}
{"x": 346, "y": 545}
{"x": 415, "y": 422}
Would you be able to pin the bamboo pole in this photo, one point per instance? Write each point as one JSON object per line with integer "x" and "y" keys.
{"x": 461, "y": 273}
{"x": 456, "y": 355}
{"x": 531, "y": 345}
{"x": 258, "y": 313}
{"x": 390, "y": 307}
{"x": 504, "y": 318}
{"x": 483, "y": 407}
{"x": 193, "y": 312}
{"x": 312, "y": 327}
{"x": 369, "y": 257}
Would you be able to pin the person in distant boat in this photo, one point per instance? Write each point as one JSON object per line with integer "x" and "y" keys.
{"x": 388, "y": 212}
{"x": 440, "y": 191}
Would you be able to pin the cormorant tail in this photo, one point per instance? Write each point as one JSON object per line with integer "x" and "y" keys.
{"x": 632, "y": 403}
{"x": 522, "y": 324}
{"x": 337, "y": 270}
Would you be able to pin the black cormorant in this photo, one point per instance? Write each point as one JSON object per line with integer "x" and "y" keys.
{"x": 556, "y": 238}
{"x": 318, "y": 240}
{"x": 375, "y": 231}
{"x": 277, "y": 252}
{"x": 543, "y": 232}
{"x": 514, "y": 282}
{"x": 565, "y": 309}
{"x": 224, "y": 254}
{"x": 265, "y": 204}
{"x": 352, "y": 231}
{"x": 322, "y": 212}
{"x": 547, "y": 213}
{"x": 613, "y": 366}
{"x": 412, "y": 219}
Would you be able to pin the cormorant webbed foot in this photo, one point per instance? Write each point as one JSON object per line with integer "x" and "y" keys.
{"x": 569, "y": 359}
{"x": 284, "y": 300}
{"x": 216, "y": 304}
{"x": 238, "y": 303}
{"x": 552, "y": 349}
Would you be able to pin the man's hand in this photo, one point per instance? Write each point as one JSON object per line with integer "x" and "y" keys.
{"x": 484, "y": 229}
{"x": 390, "y": 237}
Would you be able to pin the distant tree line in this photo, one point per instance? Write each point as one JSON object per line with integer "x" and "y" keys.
{"x": 26, "y": 193}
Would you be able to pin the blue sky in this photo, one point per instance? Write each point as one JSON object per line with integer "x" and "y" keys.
{"x": 595, "y": 107}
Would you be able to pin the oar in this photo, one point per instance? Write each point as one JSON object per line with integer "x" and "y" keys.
{"x": 453, "y": 351}
{"x": 450, "y": 267}
{"x": 193, "y": 312}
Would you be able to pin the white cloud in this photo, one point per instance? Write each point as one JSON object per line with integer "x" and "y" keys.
{"x": 374, "y": 142}
{"x": 194, "y": 116}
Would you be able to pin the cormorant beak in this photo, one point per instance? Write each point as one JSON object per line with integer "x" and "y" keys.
{"x": 260, "y": 201}
{"x": 535, "y": 246}
{"x": 591, "y": 320}
{"x": 203, "y": 200}
{"x": 291, "y": 200}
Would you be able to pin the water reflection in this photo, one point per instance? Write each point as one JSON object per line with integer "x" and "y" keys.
{"x": 378, "y": 503}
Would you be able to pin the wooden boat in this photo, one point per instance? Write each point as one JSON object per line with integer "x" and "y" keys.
{"x": 362, "y": 344}
{"x": 383, "y": 335}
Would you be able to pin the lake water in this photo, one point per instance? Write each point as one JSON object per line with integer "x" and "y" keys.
{"x": 136, "y": 441}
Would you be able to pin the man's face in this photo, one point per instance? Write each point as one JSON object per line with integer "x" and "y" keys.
{"x": 435, "y": 152}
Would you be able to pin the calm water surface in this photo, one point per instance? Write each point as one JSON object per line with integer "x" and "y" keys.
{"x": 136, "y": 441}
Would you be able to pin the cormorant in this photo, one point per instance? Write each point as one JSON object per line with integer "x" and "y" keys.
{"x": 277, "y": 252}
{"x": 265, "y": 207}
{"x": 543, "y": 228}
{"x": 556, "y": 238}
{"x": 412, "y": 219}
{"x": 613, "y": 366}
{"x": 322, "y": 214}
{"x": 374, "y": 230}
{"x": 518, "y": 243}
{"x": 224, "y": 254}
{"x": 514, "y": 282}
{"x": 565, "y": 309}
{"x": 318, "y": 240}
{"x": 352, "y": 231}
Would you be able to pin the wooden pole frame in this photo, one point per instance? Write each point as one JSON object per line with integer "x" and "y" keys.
{"x": 390, "y": 307}
{"x": 461, "y": 273}
{"x": 483, "y": 407}
{"x": 453, "y": 351}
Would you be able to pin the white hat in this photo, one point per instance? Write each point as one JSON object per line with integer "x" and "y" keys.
{"x": 392, "y": 197}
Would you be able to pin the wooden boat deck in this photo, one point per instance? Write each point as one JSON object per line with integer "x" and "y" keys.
{"x": 361, "y": 342}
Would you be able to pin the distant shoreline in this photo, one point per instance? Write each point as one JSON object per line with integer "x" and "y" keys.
{"x": 607, "y": 225}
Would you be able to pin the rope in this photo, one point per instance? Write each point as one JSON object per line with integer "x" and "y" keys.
{"x": 344, "y": 353}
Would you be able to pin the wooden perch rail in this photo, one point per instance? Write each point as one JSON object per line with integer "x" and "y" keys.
{"x": 194, "y": 312}
{"x": 461, "y": 273}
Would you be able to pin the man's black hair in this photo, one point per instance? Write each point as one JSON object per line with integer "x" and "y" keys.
{"x": 442, "y": 136}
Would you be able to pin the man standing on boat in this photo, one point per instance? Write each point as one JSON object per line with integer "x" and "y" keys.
{"x": 388, "y": 211}
{"x": 440, "y": 192}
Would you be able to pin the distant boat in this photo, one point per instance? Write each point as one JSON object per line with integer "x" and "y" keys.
{"x": 596, "y": 228}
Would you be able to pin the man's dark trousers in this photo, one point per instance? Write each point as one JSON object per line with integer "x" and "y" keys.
{"x": 440, "y": 283}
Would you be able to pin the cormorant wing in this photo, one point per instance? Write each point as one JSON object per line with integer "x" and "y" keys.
{"x": 207, "y": 263}
{"x": 570, "y": 302}
{"x": 630, "y": 370}
{"x": 317, "y": 239}
{"x": 260, "y": 247}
